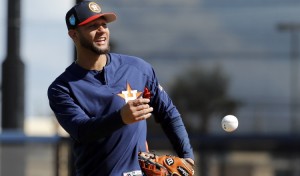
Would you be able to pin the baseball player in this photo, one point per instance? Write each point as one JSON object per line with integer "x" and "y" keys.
{"x": 103, "y": 100}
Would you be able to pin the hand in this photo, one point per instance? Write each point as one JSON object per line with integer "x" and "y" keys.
{"x": 136, "y": 110}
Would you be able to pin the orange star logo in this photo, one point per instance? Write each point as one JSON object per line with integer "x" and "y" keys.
{"x": 130, "y": 94}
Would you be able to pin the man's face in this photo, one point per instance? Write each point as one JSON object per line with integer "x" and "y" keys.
{"x": 94, "y": 36}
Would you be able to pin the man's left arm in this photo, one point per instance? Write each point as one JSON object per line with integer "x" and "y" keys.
{"x": 168, "y": 116}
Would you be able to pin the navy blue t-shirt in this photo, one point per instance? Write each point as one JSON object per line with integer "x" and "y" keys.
{"x": 87, "y": 105}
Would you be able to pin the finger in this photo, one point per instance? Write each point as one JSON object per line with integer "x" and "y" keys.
{"x": 140, "y": 101}
{"x": 144, "y": 117}
{"x": 142, "y": 107}
{"x": 141, "y": 112}
{"x": 146, "y": 113}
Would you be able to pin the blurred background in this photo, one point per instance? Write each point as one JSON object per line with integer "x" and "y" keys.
{"x": 213, "y": 57}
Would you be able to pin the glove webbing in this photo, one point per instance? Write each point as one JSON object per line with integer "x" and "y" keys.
{"x": 148, "y": 161}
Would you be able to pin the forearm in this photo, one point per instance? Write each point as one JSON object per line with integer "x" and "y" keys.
{"x": 96, "y": 128}
{"x": 85, "y": 129}
{"x": 178, "y": 136}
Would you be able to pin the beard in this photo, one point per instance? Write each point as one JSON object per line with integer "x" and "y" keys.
{"x": 93, "y": 47}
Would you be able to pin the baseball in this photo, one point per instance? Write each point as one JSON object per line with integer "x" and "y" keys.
{"x": 230, "y": 123}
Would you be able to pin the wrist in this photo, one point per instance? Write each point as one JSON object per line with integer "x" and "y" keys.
{"x": 190, "y": 161}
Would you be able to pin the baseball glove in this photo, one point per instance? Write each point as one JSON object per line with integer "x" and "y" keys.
{"x": 164, "y": 165}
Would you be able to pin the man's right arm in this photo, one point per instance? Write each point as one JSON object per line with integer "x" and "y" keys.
{"x": 76, "y": 122}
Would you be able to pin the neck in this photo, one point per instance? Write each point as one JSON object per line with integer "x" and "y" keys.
{"x": 91, "y": 62}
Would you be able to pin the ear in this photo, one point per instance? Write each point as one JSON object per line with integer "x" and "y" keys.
{"x": 73, "y": 34}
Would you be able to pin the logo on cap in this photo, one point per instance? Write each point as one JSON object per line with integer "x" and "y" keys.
{"x": 94, "y": 7}
{"x": 72, "y": 20}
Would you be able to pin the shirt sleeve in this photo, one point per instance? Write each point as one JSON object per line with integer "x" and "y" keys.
{"x": 75, "y": 121}
{"x": 168, "y": 116}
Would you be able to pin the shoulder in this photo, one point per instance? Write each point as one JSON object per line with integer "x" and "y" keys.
{"x": 61, "y": 81}
{"x": 127, "y": 59}
{"x": 132, "y": 61}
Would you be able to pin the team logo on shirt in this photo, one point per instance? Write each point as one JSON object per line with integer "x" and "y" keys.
{"x": 130, "y": 94}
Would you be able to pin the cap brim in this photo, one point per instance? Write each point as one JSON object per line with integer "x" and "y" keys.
{"x": 110, "y": 17}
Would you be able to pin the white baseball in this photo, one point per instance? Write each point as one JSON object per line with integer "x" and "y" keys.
{"x": 230, "y": 123}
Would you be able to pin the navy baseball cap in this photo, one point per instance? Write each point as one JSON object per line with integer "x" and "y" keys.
{"x": 85, "y": 12}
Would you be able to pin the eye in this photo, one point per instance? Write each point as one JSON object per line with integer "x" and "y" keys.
{"x": 104, "y": 25}
{"x": 93, "y": 26}
{"x": 97, "y": 25}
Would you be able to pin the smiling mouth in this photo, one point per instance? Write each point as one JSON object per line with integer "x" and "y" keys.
{"x": 101, "y": 40}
